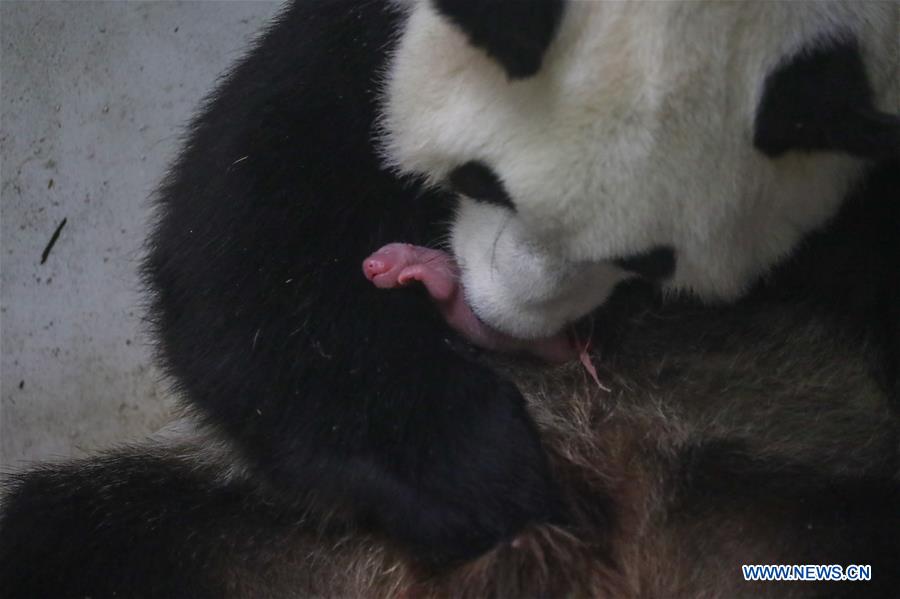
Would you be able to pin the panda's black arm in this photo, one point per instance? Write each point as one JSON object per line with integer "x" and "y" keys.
{"x": 268, "y": 325}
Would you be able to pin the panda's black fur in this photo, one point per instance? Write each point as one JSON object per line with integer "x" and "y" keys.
{"x": 267, "y": 325}
{"x": 352, "y": 444}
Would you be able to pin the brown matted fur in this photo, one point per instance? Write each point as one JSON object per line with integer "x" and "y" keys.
{"x": 727, "y": 436}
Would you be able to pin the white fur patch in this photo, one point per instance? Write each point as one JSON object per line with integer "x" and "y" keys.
{"x": 636, "y": 132}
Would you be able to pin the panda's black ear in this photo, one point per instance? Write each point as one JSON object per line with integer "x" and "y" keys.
{"x": 515, "y": 33}
{"x": 821, "y": 100}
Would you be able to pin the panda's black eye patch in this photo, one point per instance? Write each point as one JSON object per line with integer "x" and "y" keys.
{"x": 479, "y": 182}
{"x": 656, "y": 263}
{"x": 821, "y": 100}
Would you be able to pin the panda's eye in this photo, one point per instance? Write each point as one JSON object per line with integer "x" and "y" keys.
{"x": 479, "y": 182}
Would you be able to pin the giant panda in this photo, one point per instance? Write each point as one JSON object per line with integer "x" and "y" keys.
{"x": 707, "y": 189}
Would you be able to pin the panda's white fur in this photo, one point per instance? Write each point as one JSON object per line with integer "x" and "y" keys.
{"x": 636, "y": 132}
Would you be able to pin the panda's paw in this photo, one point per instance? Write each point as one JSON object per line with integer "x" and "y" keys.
{"x": 482, "y": 477}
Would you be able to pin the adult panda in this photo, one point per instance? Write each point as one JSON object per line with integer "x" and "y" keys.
{"x": 569, "y": 144}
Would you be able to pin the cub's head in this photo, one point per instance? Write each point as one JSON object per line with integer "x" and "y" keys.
{"x": 693, "y": 144}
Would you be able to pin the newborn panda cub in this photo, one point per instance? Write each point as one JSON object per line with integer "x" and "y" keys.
{"x": 399, "y": 264}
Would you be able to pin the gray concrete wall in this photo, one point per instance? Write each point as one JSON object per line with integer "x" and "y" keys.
{"x": 93, "y": 96}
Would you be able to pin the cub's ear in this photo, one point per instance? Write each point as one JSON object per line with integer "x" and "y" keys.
{"x": 515, "y": 33}
{"x": 821, "y": 100}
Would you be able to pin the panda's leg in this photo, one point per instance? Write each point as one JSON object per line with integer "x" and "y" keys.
{"x": 327, "y": 384}
{"x": 143, "y": 522}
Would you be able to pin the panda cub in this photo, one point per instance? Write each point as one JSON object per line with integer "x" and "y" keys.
{"x": 569, "y": 159}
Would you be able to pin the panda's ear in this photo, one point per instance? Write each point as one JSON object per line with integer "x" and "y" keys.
{"x": 515, "y": 33}
{"x": 821, "y": 100}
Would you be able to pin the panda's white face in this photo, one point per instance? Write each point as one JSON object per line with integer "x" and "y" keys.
{"x": 635, "y": 138}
